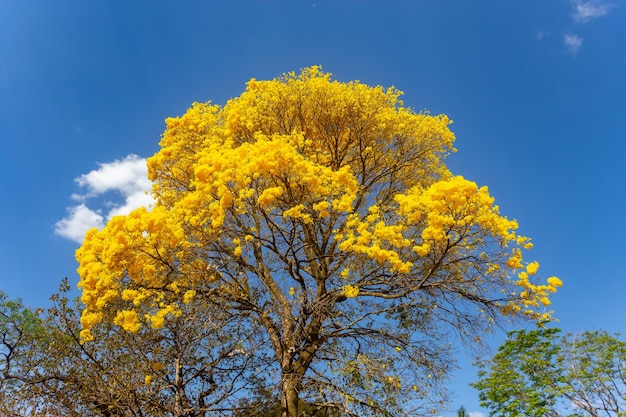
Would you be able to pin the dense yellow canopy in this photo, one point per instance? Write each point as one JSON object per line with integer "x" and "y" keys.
{"x": 309, "y": 186}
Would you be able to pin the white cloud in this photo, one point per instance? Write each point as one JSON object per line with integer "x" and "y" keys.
{"x": 132, "y": 202}
{"x": 541, "y": 34}
{"x": 476, "y": 414}
{"x": 126, "y": 177}
{"x": 573, "y": 42}
{"x": 584, "y": 11}
{"x": 80, "y": 219}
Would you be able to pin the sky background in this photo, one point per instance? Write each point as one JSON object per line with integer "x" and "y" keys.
{"x": 536, "y": 89}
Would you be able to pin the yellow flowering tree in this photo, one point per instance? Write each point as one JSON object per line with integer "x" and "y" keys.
{"x": 325, "y": 213}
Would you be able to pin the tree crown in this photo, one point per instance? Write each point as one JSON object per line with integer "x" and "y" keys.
{"x": 321, "y": 209}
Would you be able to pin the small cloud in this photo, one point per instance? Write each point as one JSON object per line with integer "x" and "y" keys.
{"x": 80, "y": 219}
{"x": 541, "y": 34}
{"x": 476, "y": 414}
{"x": 573, "y": 42}
{"x": 127, "y": 177}
{"x": 133, "y": 201}
{"x": 584, "y": 11}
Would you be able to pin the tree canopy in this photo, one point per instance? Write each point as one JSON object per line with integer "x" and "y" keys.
{"x": 322, "y": 214}
{"x": 544, "y": 373}
{"x": 190, "y": 367}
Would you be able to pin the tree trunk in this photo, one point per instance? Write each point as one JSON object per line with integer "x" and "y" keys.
{"x": 289, "y": 395}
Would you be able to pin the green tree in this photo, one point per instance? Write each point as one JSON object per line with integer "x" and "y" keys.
{"x": 322, "y": 214}
{"x": 543, "y": 373}
{"x": 18, "y": 324}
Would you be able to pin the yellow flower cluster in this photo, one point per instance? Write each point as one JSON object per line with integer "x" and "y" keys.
{"x": 269, "y": 173}
{"x": 450, "y": 213}
{"x": 127, "y": 320}
{"x": 372, "y": 237}
{"x": 450, "y": 210}
{"x": 350, "y": 291}
{"x": 171, "y": 169}
{"x": 534, "y": 295}
{"x": 128, "y": 263}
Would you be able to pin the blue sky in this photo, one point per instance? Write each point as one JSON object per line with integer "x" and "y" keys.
{"x": 536, "y": 89}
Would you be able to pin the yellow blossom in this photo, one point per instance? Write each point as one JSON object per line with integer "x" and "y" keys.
{"x": 188, "y": 296}
{"x": 555, "y": 282}
{"x": 128, "y": 320}
{"x": 532, "y": 268}
{"x": 86, "y": 336}
{"x": 350, "y": 291}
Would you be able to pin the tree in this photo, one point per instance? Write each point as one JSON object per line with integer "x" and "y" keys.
{"x": 175, "y": 371}
{"x": 17, "y": 324}
{"x": 543, "y": 373}
{"x": 324, "y": 214}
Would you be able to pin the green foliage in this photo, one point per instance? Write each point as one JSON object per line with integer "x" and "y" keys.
{"x": 543, "y": 373}
{"x": 514, "y": 381}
